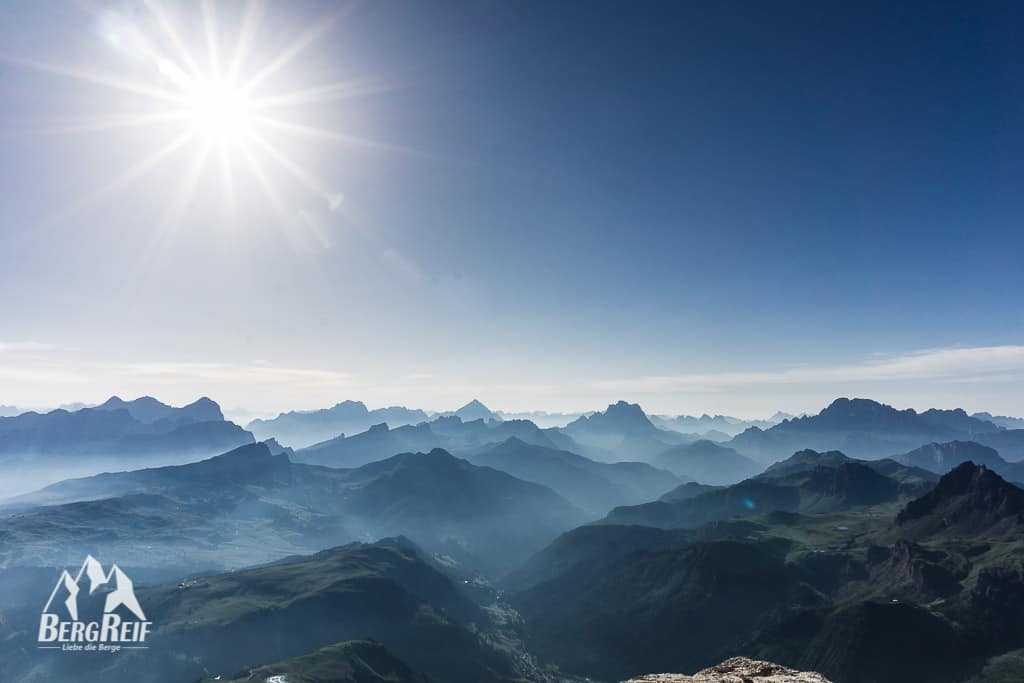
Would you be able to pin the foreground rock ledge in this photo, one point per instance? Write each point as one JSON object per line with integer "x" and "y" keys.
{"x": 738, "y": 670}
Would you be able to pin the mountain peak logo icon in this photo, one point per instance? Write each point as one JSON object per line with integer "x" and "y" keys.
{"x": 122, "y": 593}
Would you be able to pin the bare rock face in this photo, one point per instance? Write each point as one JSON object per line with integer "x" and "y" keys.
{"x": 738, "y": 670}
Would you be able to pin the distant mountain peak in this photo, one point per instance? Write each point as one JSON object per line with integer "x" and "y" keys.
{"x": 804, "y": 459}
{"x": 476, "y": 410}
{"x": 624, "y": 407}
{"x": 349, "y": 404}
{"x": 300, "y": 429}
{"x": 865, "y": 413}
{"x": 853, "y": 482}
{"x": 966, "y": 478}
{"x": 619, "y": 416}
{"x": 204, "y": 408}
{"x": 808, "y": 455}
{"x": 249, "y": 450}
{"x": 201, "y": 401}
{"x": 148, "y": 409}
{"x": 969, "y": 493}
{"x": 1004, "y": 421}
{"x": 858, "y": 406}
{"x": 246, "y": 460}
{"x": 865, "y": 428}
{"x": 942, "y": 457}
{"x": 435, "y": 457}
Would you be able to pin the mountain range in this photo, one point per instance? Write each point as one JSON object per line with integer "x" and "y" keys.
{"x": 1001, "y": 420}
{"x": 808, "y": 482}
{"x": 117, "y": 427}
{"x": 300, "y": 429}
{"x": 943, "y": 457}
{"x": 970, "y": 501}
{"x": 250, "y": 505}
{"x": 450, "y": 433}
{"x": 148, "y": 410}
{"x": 302, "y": 614}
{"x": 868, "y": 429}
{"x": 716, "y": 425}
{"x": 541, "y": 418}
{"x": 40, "y": 448}
{"x": 707, "y": 462}
{"x": 622, "y": 432}
{"x": 593, "y": 486}
{"x": 465, "y": 547}
{"x": 880, "y": 592}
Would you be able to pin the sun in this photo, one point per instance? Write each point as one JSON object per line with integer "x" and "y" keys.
{"x": 218, "y": 96}
{"x": 219, "y": 112}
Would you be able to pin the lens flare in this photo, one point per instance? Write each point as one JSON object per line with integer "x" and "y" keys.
{"x": 217, "y": 97}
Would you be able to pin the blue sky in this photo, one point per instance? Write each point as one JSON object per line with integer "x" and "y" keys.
{"x": 731, "y": 207}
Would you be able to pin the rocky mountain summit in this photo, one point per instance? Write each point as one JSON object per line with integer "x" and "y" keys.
{"x": 738, "y": 670}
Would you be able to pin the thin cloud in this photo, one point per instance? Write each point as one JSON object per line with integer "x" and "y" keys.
{"x": 984, "y": 362}
{"x": 34, "y": 364}
{"x": 236, "y": 374}
{"x": 26, "y": 347}
{"x": 39, "y": 375}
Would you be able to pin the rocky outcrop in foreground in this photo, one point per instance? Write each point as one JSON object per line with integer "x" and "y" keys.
{"x": 738, "y": 670}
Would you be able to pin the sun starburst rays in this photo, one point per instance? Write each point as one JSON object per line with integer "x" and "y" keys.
{"x": 219, "y": 97}
{"x": 246, "y": 35}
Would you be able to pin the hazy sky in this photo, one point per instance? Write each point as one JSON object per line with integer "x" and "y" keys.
{"x": 707, "y": 206}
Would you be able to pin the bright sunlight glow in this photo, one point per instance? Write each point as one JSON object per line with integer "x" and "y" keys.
{"x": 222, "y": 97}
{"x": 218, "y": 111}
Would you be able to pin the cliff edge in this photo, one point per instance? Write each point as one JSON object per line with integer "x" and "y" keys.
{"x": 738, "y": 670}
